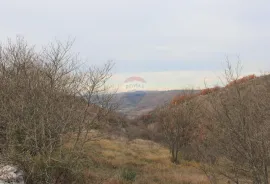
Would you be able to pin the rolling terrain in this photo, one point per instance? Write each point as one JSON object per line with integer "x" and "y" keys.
{"x": 134, "y": 104}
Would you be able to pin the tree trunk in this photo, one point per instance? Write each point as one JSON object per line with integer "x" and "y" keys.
{"x": 176, "y": 154}
{"x": 265, "y": 174}
{"x": 174, "y": 150}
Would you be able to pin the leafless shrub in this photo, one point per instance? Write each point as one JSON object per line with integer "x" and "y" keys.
{"x": 48, "y": 108}
{"x": 238, "y": 130}
{"x": 179, "y": 123}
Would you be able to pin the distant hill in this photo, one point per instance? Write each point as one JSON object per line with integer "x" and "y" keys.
{"x": 134, "y": 104}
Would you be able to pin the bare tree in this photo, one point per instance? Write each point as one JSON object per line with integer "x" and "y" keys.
{"x": 238, "y": 129}
{"x": 179, "y": 122}
{"x": 48, "y": 106}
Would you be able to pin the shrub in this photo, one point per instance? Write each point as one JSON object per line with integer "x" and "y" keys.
{"x": 209, "y": 90}
{"x": 182, "y": 98}
{"x": 146, "y": 118}
{"x": 241, "y": 80}
{"x": 179, "y": 122}
{"x": 128, "y": 174}
{"x": 47, "y": 106}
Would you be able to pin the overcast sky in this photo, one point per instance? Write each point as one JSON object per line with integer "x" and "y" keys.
{"x": 169, "y": 43}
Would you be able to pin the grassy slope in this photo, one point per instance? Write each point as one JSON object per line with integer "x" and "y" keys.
{"x": 149, "y": 160}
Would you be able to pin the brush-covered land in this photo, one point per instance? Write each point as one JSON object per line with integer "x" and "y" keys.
{"x": 60, "y": 124}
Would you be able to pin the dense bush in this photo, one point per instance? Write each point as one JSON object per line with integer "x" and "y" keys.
{"x": 46, "y": 110}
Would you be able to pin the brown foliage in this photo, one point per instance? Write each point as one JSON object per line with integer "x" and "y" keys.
{"x": 209, "y": 90}
{"x": 241, "y": 80}
{"x": 182, "y": 98}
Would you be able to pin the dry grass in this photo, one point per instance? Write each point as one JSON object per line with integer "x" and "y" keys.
{"x": 149, "y": 160}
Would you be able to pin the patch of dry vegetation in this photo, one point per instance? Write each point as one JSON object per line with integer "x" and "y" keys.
{"x": 149, "y": 160}
{"x": 44, "y": 98}
{"x": 231, "y": 128}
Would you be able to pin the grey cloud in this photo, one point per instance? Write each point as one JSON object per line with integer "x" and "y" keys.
{"x": 147, "y": 32}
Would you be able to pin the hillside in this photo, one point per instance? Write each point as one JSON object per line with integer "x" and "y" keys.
{"x": 140, "y": 126}
{"x": 135, "y": 104}
{"x": 150, "y": 123}
{"x": 226, "y": 115}
{"x": 57, "y": 137}
{"x": 120, "y": 161}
